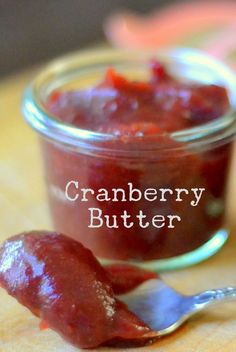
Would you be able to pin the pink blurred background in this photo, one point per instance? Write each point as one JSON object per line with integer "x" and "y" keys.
{"x": 32, "y": 32}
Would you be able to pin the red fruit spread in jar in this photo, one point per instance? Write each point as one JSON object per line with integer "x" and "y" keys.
{"x": 141, "y": 115}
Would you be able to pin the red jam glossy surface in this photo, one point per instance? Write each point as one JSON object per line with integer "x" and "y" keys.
{"x": 125, "y": 278}
{"x": 61, "y": 282}
{"x": 130, "y": 109}
{"x": 123, "y": 107}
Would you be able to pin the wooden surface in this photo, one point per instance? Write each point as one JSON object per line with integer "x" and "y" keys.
{"x": 23, "y": 207}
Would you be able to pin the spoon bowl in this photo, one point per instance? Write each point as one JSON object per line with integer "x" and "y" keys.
{"x": 164, "y": 310}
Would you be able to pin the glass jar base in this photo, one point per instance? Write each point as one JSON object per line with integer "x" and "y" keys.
{"x": 205, "y": 251}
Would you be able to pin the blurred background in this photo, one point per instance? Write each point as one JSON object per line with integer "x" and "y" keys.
{"x": 33, "y": 32}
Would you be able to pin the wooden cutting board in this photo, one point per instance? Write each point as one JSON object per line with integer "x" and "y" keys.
{"x": 23, "y": 207}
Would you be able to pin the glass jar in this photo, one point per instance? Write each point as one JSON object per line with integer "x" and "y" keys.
{"x": 75, "y": 159}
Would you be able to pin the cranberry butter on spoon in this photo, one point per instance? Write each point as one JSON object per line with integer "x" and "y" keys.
{"x": 62, "y": 283}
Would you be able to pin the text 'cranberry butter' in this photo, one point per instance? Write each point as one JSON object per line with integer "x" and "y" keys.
{"x": 129, "y": 194}
{"x": 137, "y": 153}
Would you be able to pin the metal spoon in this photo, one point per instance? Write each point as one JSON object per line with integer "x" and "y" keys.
{"x": 164, "y": 310}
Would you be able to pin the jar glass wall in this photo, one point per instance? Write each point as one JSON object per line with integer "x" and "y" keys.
{"x": 191, "y": 159}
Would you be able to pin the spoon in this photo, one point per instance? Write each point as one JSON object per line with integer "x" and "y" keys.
{"x": 164, "y": 310}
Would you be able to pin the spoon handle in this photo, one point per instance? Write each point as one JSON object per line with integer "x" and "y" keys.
{"x": 211, "y": 297}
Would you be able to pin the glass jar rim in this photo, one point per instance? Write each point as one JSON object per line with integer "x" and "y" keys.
{"x": 216, "y": 132}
